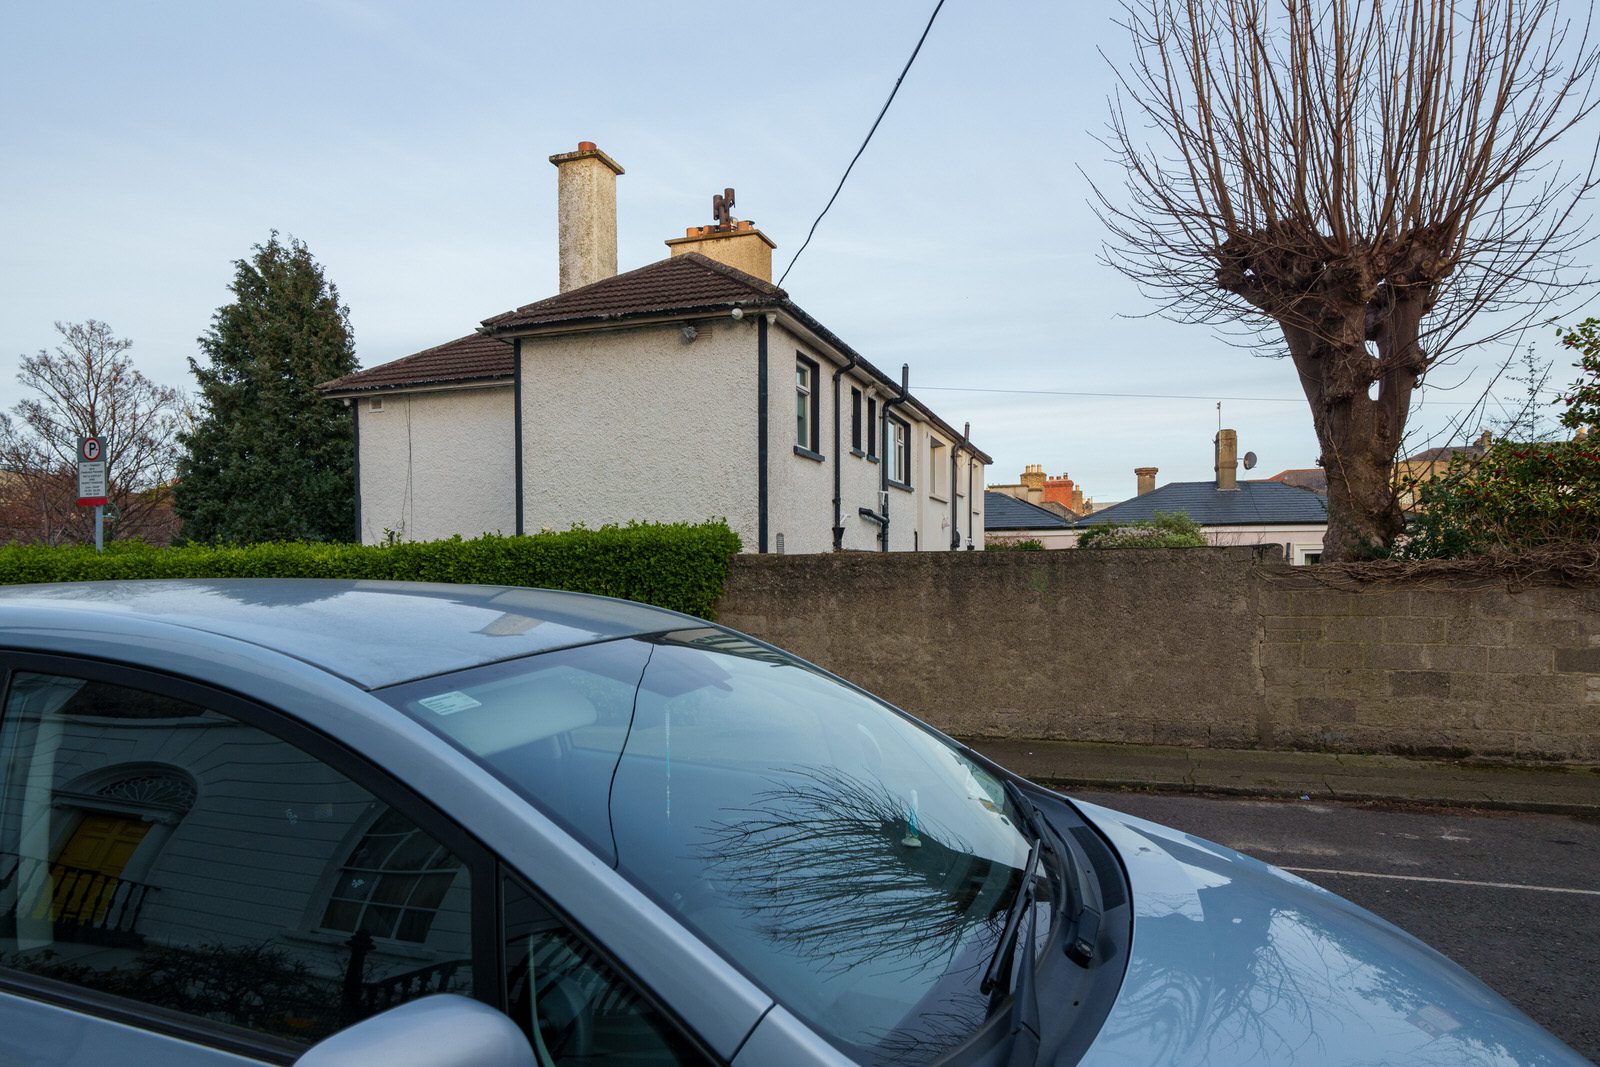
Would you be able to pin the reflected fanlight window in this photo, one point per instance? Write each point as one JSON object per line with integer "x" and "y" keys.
{"x": 393, "y": 882}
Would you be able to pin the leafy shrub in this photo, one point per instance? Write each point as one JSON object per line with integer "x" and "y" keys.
{"x": 1000, "y": 544}
{"x": 1163, "y": 530}
{"x": 670, "y": 565}
{"x": 1514, "y": 497}
{"x": 1582, "y": 397}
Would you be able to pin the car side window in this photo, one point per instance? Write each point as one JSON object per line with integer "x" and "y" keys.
{"x": 173, "y": 855}
{"x": 574, "y": 1007}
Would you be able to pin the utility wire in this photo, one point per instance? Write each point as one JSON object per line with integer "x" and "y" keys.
{"x": 1138, "y": 396}
{"x": 864, "y": 143}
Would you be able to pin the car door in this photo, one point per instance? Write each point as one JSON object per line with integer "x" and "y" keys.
{"x": 189, "y": 878}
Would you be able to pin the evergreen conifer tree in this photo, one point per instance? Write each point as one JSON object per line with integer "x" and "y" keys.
{"x": 268, "y": 459}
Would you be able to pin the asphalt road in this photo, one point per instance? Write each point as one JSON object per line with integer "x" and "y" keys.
{"x": 1512, "y": 897}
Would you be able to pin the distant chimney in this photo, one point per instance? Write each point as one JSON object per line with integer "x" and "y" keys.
{"x": 1147, "y": 478}
{"x": 586, "y": 199}
{"x": 1227, "y": 460}
{"x": 728, "y": 240}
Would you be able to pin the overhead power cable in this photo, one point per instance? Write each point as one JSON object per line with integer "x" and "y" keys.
{"x": 884, "y": 111}
{"x": 1139, "y": 396}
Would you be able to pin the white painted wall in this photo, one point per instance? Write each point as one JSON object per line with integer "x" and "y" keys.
{"x": 638, "y": 424}
{"x": 437, "y": 464}
{"x": 800, "y": 497}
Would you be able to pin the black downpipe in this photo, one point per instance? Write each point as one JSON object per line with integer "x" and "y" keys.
{"x": 971, "y": 504}
{"x": 355, "y": 436}
{"x": 516, "y": 423}
{"x": 884, "y": 459}
{"x": 761, "y": 434}
{"x": 838, "y": 461}
{"x": 955, "y": 498}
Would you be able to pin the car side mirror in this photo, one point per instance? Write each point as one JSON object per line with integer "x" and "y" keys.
{"x": 445, "y": 1030}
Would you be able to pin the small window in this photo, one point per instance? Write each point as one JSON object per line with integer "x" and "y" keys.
{"x": 574, "y": 1007}
{"x": 938, "y": 468}
{"x": 872, "y": 426}
{"x": 896, "y": 437}
{"x": 376, "y": 404}
{"x": 807, "y": 405}
{"x": 855, "y": 418}
{"x": 159, "y": 851}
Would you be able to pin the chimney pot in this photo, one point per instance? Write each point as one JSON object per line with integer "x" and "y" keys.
{"x": 586, "y": 146}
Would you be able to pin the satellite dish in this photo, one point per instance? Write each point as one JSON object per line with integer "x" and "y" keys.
{"x": 1249, "y": 461}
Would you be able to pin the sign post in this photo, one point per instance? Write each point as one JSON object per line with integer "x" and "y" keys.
{"x": 92, "y": 484}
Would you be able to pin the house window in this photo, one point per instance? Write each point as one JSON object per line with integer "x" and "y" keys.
{"x": 377, "y": 404}
{"x": 938, "y": 469}
{"x": 855, "y": 418}
{"x": 872, "y": 426}
{"x": 896, "y": 438}
{"x": 807, "y": 404}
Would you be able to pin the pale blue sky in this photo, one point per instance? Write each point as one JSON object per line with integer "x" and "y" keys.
{"x": 146, "y": 146}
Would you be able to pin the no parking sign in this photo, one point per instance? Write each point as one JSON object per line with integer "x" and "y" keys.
{"x": 91, "y": 471}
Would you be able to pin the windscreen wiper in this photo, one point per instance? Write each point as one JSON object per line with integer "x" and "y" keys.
{"x": 1004, "y": 949}
{"x": 1079, "y": 944}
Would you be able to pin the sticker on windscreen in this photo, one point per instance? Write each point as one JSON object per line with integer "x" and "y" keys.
{"x": 449, "y": 703}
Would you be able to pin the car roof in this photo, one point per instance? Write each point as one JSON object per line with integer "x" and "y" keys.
{"x": 370, "y": 633}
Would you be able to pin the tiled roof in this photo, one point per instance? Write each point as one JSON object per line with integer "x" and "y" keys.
{"x": 1313, "y": 478}
{"x": 1002, "y": 512}
{"x": 677, "y": 285}
{"x": 1269, "y": 503}
{"x": 690, "y": 282}
{"x": 466, "y": 359}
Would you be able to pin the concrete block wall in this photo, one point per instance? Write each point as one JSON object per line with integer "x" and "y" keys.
{"x": 1204, "y": 647}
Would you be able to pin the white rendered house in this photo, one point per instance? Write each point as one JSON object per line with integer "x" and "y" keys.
{"x": 688, "y": 389}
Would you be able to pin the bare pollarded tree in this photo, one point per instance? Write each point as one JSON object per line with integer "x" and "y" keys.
{"x": 1365, "y": 178}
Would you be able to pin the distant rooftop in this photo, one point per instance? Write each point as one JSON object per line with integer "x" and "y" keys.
{"x": 1313, "y": 478}
{"x": 1254, "y": 503}
{"x": 1002, "y": 512}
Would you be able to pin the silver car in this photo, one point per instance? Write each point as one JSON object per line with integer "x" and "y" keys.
{"x": 339, "y": 823}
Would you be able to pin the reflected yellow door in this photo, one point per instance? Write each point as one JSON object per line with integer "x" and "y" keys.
{"x": 88, "y": 866}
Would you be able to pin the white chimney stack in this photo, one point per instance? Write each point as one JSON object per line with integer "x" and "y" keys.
{"x": 586, "y": 199}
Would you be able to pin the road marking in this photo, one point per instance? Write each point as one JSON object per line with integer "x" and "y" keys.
{"x": 1446, "y": 881}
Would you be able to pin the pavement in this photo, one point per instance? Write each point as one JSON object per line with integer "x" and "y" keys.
{"x": 1565, "y": 789}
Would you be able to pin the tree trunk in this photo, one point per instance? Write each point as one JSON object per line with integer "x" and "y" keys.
{"x": 1359, "y": 432}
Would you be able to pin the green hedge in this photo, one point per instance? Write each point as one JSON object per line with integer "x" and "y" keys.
{"x": 674, "y": 566}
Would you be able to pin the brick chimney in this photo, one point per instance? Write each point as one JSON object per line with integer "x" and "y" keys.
{"x": 1227, "y": 460}
{"x": 1147, "y": 478}
{"x": 586, "y": 199}
{"x": 1033, "y": 482}
{"x": 728, "y": 240}
{"x": 1058, "y": 490}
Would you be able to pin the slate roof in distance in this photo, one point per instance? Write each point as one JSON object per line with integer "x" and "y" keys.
{"x": 1263, "y": 503}
{"x": 466, "y": 359}
{"x": 1313, "y": 478}
{"x": 1002, "y": 512}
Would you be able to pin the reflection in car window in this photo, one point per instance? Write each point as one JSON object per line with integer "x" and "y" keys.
{"x": 573, "y": 1006}
{"x": 162, "y": 851}
{"x": 852, "y": 862}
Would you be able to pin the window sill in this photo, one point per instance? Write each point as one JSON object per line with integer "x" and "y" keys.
{"x": 940, "y": 499}
{"x": 904, "y": 487}
{"x": 806, "y": 453}
{"x": 870, "y": 458}
{"x": 858, "y": 453}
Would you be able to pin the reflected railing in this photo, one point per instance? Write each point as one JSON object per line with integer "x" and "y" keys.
{"x": 82, "y": 905}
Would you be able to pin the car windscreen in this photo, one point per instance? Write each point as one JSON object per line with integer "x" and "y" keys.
{"x": 850, "y": 861}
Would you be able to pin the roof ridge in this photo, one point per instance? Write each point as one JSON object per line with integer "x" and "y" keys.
{"x": 727, "y": 270}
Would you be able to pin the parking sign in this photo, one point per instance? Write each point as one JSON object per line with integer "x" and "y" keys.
{"x": 91, "y": 471}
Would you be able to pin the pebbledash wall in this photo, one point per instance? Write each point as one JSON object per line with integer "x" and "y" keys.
{"x": 1224, "y": 647}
